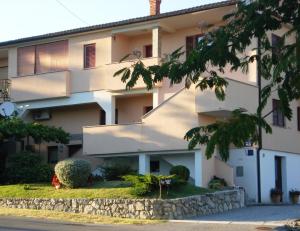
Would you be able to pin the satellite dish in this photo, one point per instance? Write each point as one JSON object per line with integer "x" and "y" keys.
{"x": 7, "y": 109}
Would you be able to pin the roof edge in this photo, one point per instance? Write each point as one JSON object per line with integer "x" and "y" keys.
{"x": 119, "y": 23}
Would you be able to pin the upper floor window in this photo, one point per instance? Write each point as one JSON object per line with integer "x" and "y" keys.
{"x": 148, "y": 51}
{"x": 90, "y": 55}
{"x": 278, "y": 117}
{"x": 191, "y": 43}
{"x": 43, "y": 58}
{"x": 276, "y": 44}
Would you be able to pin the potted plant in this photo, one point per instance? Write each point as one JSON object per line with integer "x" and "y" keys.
{"x": 294, "y": 196}
{"x": 276, "y": 195}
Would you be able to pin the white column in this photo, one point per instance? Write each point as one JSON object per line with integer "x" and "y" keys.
{"x": 144, "y": 164}
{"x": 156, "y": 42}
{"x": 110, "y": 111}
{"x": 155, "y": 98}
{"x": 198, "y": 168}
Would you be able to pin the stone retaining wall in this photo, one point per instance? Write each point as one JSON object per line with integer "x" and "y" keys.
{"x": 138, "y": 208}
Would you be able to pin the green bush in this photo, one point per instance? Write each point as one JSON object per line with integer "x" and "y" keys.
{"x": 27, "y": 167}
{"x": 217, "y": 183}
{"x": 73, "y": 173}
{"x": 115, "y": 172}
{"x": 142, "y": 185}
{"x": 182, "y": 174}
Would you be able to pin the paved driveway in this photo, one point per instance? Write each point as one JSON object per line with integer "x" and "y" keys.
{"x": 276, "y": 215}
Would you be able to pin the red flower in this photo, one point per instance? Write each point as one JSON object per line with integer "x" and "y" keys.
{"x": 55, "y": 182}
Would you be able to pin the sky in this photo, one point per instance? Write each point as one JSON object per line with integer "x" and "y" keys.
{"x": 24, "y": 18}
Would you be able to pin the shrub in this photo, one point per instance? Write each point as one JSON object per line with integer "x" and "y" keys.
{"x": 73, "y": 173}
{"x": 217, "y": 183}
{"x": 182, "y": 174}
{"x": 27, "y": 167}
{"x": 142, "y": 184}
{"x": 115, "y": 172}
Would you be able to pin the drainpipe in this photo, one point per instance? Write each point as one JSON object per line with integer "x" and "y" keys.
{"x": 259, "y": 115}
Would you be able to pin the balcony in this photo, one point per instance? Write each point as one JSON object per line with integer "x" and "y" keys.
{"x": 236, "y": 93}
{"x": 40, "y": 86}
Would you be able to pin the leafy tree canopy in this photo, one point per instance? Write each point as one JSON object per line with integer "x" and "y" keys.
{"x": 250, "y": 24}
{"x": 15, "y": 128}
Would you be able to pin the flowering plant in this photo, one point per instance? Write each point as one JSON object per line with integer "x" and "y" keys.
{"x": 55, "y": 182}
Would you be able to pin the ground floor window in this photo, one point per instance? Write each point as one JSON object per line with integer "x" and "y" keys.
{"x": 73, "y": 149}
{"x": 52, "y": 154}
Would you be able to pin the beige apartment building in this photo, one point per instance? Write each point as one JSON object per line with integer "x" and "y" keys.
{"x": 66, "y": 79}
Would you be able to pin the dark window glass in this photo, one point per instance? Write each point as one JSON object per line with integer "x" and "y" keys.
{"x": 191, "y": 43}
{"x": 73, "y": 149}
{"x": 89, "y": 56}
{"x": 276, "y": 43}
{"x": 148, "y": 51}
{"x": 278, "y": 117}
{"x": 154, "y": 166}
{"x": 52, "y": 154}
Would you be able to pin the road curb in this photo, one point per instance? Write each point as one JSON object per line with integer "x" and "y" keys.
{"x": 231, "y": 222}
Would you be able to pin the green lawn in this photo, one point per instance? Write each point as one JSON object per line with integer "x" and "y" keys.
{"x": 112, "y": 189}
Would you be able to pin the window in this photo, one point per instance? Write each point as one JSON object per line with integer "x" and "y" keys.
{"x": 154, "y": 166}
{"x": 148, "y": 51}
{"x": 278, "y": 117}
{"x": 191, "y": 43}
{"x": 147, "y": 109}
{"x": 298, "y": 117}
{"x": 90, "y": 55}
{"x": 42, "y": 58}
{"x": 102, "y": 117}
{"x": 73, "y": 149}
{"x": 52, "y": 154}
{"x": 239, "y": 171}
{"x": 276, "y": 44}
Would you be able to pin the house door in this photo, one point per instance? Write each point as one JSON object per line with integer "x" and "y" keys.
{"x": 278, "y": 173}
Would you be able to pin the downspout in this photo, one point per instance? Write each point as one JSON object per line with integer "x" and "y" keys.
{"x": 259, "y": 115}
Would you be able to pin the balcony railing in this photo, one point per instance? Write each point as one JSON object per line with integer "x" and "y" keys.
{"x": 5, "y": 89}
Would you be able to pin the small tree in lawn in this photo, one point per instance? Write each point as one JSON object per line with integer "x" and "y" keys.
{"x": 226, "y": 46}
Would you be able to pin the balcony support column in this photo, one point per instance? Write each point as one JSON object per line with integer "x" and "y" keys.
{"x": 110, "y": 111}
{"x": 144, "y": 164}
{"x": 155, "y": 98}
{"x": 156, "y": 42}
{"x": 198, "y": 168}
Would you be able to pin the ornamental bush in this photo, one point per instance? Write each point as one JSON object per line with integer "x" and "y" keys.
{"x": 73, "y": 173}
{"x": 142, "y": 184}
{"x": 27, "y": 167}
{"x": 182, "y": 173}
{"x": 217, "y": 183}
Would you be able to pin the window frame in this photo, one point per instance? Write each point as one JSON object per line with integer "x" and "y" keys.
{"x": 35, "y": 58}
{"x": 85, "y": 57}
{"x": 194, "y": 43}
{"x": 278, "y": 116}
{"x": 146, "y": 47}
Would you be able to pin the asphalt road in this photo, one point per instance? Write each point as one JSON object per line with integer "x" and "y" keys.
{"x": 29, "y": 224}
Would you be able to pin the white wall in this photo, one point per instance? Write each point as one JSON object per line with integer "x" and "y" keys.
{"x": 291, "y": 173}
{"x": 239, "y": 157}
